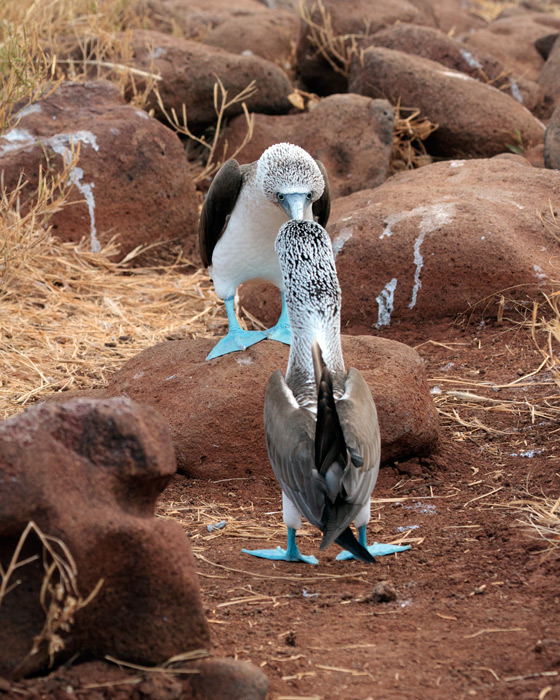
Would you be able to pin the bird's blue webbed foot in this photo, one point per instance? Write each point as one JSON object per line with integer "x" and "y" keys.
{"x": 282, "y": 331}
{"x": 291, "y": 553}
{"x": 237, "y": 338}
{"x": 375, "y": 549}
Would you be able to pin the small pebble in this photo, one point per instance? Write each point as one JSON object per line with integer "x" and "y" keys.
{"x": 384, "y": 592}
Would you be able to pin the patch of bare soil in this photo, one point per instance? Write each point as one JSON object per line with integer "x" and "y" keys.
{"x": 476, "y": 613}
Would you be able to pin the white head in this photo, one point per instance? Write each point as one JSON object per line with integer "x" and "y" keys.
{"x": 290, "y": 178}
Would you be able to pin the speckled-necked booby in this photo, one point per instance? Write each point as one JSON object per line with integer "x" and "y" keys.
{"x": 321, "y": 424}
{"x": 239, "y": 222}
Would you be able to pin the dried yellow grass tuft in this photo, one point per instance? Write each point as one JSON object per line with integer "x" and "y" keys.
{"x": 70, "y": 318}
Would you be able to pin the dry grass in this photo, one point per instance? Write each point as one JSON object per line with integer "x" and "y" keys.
{"x": 59, "y": 596}
{"x": 337, "y": 49}
{"x": 409, "y": 133}
{"x": 69, "y": 318}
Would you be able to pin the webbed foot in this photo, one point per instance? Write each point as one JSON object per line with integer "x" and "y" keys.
{"x": 280, "y": 554}
{"x": 235, "y": 341}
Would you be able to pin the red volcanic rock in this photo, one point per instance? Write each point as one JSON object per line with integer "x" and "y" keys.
{"x": 131, "y": 178}
{"x": 432, "y": 243}
{"x": 88, "y": 472}
{"x": 189, "y": 71}
{"x": 434, "y": 44}
{"x": 511, "y": 40}
{"x": 350, "y": 134}
{"x": 270, "y": 35}
{"x": 475, "y": 119}
{"x": 215, "y": 409}
{"x": 548, "y": 77}
{"x": 357, "y": 18}
{"x": 457, "y": 16}
{"x": 196, "y": 18}
{"x": 552, "y": 141}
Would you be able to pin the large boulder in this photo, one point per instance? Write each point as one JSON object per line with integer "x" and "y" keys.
{"x": 350, "y": 134}
{"x": 189, "y": 70}
{"x": 87, "y": 473}
{"x": 552, "y": 141}
{"x": 131, "y": 178}
{"x": 432, "y": 43}
{"x": 474, "y": 119}
{"x": 195, "y": 18}
{"x": 215, "y": 409}
{"x": 548, "y": 77}
{"x": 432, "y": 243}
{"x": 511, "y": 40}
{"x": 270, "y": 35}
{"x": 334, "y": 30}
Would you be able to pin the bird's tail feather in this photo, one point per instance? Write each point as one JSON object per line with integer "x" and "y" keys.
{"x": 348, "y": 541}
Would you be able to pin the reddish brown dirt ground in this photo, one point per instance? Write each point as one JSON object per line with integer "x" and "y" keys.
{"x": 477, "y": 608}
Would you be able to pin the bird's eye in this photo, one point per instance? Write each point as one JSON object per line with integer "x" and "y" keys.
{"x": 280, "y": 197}
{"x": 309, "y": 196}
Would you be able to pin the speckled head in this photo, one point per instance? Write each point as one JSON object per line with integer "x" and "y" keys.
{"x": 285, "y": 170}
{"x": 306, "y": 259}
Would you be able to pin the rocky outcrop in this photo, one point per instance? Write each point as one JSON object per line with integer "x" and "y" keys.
{"x": 189, "y": 70}
{"x": 335, "y": 30}
{"x": 269, "y": 35}
{"x": 122, "y": 184}
{"x": 474, "y": 119}
{"x": 435, "y": 242}
{"x": 352, "y": 135}
{"x": 88, "y": 473}
{"x": 432, "y": 43}
{"x": 214, "y": 409}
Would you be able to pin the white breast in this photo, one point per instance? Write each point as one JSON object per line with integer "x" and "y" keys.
{"x": 245, "y": 250}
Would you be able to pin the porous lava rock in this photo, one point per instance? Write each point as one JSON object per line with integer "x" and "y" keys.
{"x": 548, "y": 77}
{"x": 122, "y": 185}
{"x": 195, "y": 18}
{"x": 189, "y": 70}
{"x": 356, "y": 20}
{"x": 457, "y": 16}
{"x": 351, "y": 135}
{"x": 474, "y": 119}
{"x": 88, "y": 472}
{"x": 432, "y": 43}
{"x": 270, "y": 35}
{"x": 552, "y": 141}
{"x": 215, "y": 409}
{"x": 512, "y": 41}
{"x": 435, "y": 242}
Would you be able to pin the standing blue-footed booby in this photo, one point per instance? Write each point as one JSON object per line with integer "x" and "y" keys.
{"x": 320, "y": 421}
{"x": 239, "y": 222}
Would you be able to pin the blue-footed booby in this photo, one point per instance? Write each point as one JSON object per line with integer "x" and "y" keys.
{"x": 239, "y": 222}
{"x": 321, "y": 426}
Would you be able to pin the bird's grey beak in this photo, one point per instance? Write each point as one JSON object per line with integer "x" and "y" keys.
{"x": 295, "y": 205}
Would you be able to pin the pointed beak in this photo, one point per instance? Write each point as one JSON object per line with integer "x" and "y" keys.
{"x": 295, "y": 205}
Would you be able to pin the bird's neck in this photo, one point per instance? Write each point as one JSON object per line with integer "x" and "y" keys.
{"x": 300, "y": 374}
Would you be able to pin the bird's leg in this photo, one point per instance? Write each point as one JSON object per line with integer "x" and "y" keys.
{"x": 375, "y": 549}
{"x": 291, "y": 553}
{"x": 282, "y": 331}
{"x": 237, "y": 338}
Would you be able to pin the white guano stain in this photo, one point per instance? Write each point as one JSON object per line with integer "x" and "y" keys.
{"x": 343, "y": 236}
{"x": 539, "y": 272}
{"x": 515, "y": 91}
{"x": 62, "y": 144}
{"x": 385, "y": 302}
{"x": 432, "y": 216}
{"x": 456, "y": 163}
{"x": 471, "y": 61}
{"x": 34, "y": 108}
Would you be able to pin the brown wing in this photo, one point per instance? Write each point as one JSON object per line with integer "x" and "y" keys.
{"x": 358, "y": 418}
{"x": 290, "y": 437}
{"x": 218, "y": 205}
{"x": 322, "y": 207}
